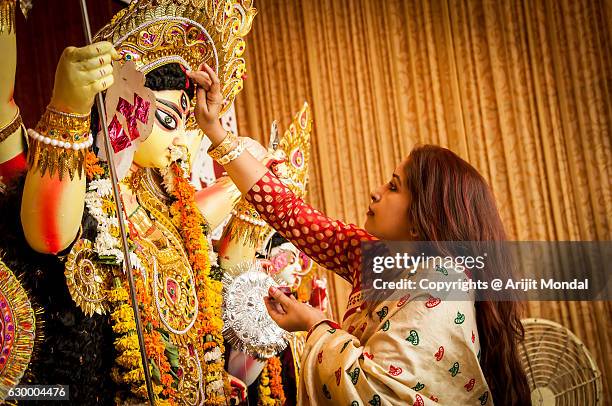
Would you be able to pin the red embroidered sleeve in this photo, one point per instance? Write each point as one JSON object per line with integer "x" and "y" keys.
{"x": 331, "y": 243}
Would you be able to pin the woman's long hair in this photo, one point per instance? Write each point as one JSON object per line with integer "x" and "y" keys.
{"x": 451, "y": 201}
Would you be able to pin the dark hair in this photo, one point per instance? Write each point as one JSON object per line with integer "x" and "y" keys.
{"x": 70, "y": 347}
{"x": 172, "y": 76}
{"x": 451, "y": 201}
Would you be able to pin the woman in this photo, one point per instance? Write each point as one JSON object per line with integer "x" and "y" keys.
{"x": 400, "y": 353}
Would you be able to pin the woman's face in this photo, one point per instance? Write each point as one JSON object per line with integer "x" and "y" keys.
{"x": 168, "y": 129}
{"x": 387, "y": 216}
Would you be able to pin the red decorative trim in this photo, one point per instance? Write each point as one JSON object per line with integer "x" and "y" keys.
{"x": 331, "y": 323}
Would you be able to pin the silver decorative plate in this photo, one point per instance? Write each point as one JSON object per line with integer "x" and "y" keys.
{"x": 247, "y": 325}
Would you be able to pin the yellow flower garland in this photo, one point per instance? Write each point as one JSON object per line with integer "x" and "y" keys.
{"x": 208, "y": 290}
{"x": 130, "y": 369}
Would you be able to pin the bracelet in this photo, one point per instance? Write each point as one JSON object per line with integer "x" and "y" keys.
{"x": 232, "y": 154}
{"x": 222, "y": 149}
{"x": 60, "y": 143}
{"x": 65, "y": 126}
{"x": 247, "y": 225}
{"x": 11, "y": 127}
{"x": 86, "y": 142}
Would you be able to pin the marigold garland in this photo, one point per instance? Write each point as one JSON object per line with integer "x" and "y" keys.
{"x": 93, "y": 169}
{"x": 192, "y": 227}
{"x": 271, "y": 392}
{"x": 130, "y": 370}
{"x": 189, "y": 221}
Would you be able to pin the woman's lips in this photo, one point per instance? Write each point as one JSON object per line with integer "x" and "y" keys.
{"x": 370, "y": 212}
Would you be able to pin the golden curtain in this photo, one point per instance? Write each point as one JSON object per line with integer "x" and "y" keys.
{"x": 521, "y": 89}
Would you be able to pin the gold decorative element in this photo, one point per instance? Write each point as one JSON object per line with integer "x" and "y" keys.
{"x": 11, "y": 127}
{"x": 17, "y": 327}
{"x": 165, "y": 253}
{"x": 65, "y": 126}
{"x": 70, "y": 115}
{"x": 234, "y": 153}
{"x": 25, "y": 6}
{"x": 294, "y": 147}
{"x": 7, "y": 13}
{"x": 71, "y": 132}
{"x": 88, "y": 280}
{"x": 246, "y": 225}
{"x": 156, "y": 32}
{"x": 228, "y": 143}
{"x": 168, "y": 280}
{"x": 7, "y": 16}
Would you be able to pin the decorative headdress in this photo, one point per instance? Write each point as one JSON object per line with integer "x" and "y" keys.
{"x": 153, "y": 33}
{"x": 294, "y": 149}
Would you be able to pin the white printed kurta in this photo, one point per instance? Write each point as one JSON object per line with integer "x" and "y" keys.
{"x": 415, "y": 351}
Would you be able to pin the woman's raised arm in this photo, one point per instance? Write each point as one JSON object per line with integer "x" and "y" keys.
{"x": 333, "y": 244}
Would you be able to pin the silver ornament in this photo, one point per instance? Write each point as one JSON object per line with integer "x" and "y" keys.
{"x": 247, "y": 325}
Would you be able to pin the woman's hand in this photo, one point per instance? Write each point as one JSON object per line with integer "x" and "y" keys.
{"x": 289, "y": 313}
{"x": 81, "y": 74}
{"x": 209, "y": 102}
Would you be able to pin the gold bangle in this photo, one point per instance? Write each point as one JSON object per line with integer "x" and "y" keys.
{"x": 64, "y": 126}
{"x": 222, "y": 149}
{"x": 11, "y": 127}
{"x": 232, "y": 154}
{"x": 60, "y": 143}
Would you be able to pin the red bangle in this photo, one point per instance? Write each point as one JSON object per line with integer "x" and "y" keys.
{"x": 331, "y": 323}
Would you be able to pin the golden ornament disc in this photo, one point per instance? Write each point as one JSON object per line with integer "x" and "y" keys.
{"x": 88, "y": 281}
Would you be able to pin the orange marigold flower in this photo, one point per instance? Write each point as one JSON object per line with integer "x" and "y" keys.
{"x": 92, "y": 166}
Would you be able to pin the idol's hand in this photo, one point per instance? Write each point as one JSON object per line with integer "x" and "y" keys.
{"x": 209, "y": 102}
{"x": 289, "y": 313}
{"x": 82, "y": 73}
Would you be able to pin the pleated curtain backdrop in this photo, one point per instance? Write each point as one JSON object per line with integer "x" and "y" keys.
{"x": 521, "y": 89}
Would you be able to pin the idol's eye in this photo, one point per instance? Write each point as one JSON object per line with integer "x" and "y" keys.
{"x": 184, "y": 101}
{"x": 166, "y": 120}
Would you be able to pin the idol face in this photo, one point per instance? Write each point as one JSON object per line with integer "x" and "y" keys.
{"x": 171, "y": 114}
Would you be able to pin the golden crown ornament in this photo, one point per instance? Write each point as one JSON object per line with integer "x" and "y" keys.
{"x": 153, "y": 33}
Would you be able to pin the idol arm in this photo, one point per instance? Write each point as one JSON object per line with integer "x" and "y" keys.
{"x": 54, "y": 192}
{"x": 12, "y": 145}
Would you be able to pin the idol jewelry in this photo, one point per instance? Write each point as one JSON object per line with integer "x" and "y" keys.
{"x": 233, "y": 154}
{"x": 228, "y": 143}
{"x": 11, "y": 127}
{"x": 60, "y": 143}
